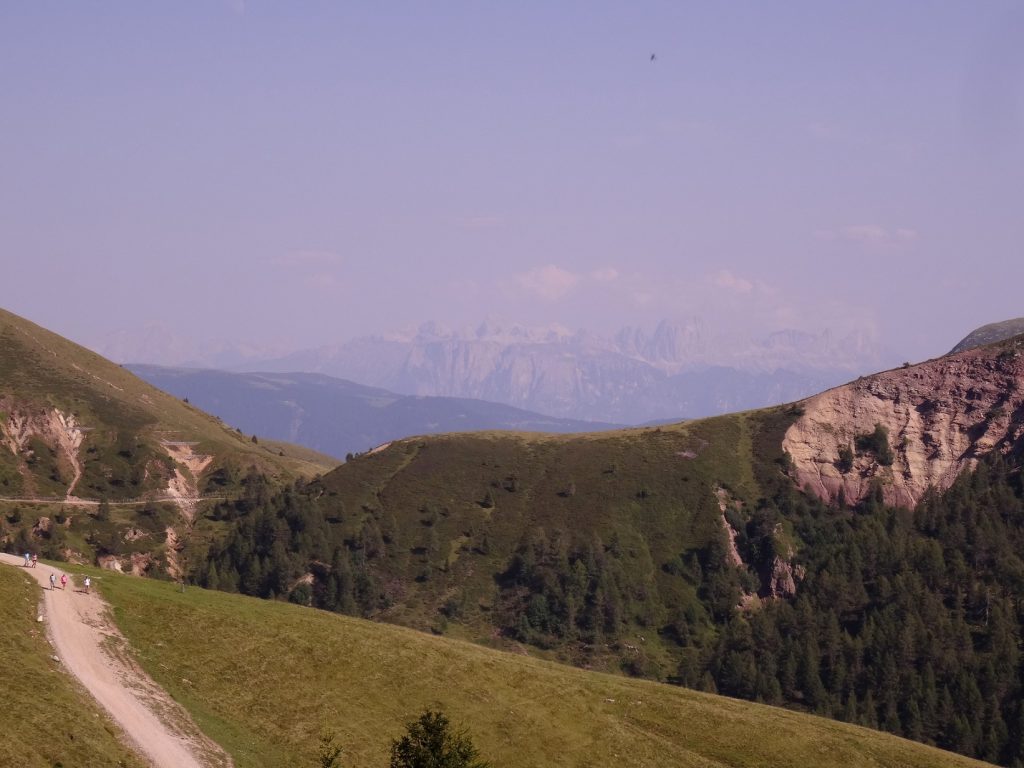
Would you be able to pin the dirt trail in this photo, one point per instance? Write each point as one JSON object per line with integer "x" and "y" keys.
{"x": 92, "y": 650}
{"x": 79, "y": 502}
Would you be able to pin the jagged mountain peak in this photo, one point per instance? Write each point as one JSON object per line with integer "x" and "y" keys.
{"x": 678, "y": 368}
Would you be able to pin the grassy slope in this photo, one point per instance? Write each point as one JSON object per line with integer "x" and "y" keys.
{"x": 650, "y": 489}
{"x": 41, "y": 369}
{"x": 263, "y": 678}
{"x": 44, "y": 720}
{"x": 126, "y": 419}
{"x": 302, "y": 460}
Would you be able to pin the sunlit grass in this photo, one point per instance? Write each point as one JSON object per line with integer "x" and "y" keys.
{"x": 265, "y": 678}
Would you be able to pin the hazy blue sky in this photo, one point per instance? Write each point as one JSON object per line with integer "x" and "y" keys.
{"x": 314, "y": 171}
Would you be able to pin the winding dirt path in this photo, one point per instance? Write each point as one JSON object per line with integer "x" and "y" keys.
{"x": 91, "y": 648}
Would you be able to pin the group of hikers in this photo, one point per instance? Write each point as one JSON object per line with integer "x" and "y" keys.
{"x": 31, "y": 560}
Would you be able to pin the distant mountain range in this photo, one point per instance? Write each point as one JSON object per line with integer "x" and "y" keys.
{"x": 677, "y": 371}
{"x": 335, "y": 416}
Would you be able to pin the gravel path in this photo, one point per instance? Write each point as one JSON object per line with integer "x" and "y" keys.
{"x": 90, "y": 648}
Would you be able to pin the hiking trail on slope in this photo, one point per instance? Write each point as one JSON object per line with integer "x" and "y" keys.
{"x": 91, "y": 648}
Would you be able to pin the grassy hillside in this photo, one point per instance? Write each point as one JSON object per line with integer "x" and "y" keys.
{"x": 45, "y": 721}
{"x": 264, "y": 679}
{"x": 457, "y": 533}
{"x": 683, "y": 554}
{"x": 53, "y": 392}
{"x": 76, "y": 426}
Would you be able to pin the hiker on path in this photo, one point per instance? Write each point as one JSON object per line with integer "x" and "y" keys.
{"x": 88, "y": 581}
{"x": 53, "y": 582}
{"x": 28, "y": 559}
{"x": 35, "y": 560}
{"x": 63, "y": 580}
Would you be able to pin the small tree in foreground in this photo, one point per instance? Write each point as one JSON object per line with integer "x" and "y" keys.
{"x": 430, "y": 742}
{"x": 329, "y": 755}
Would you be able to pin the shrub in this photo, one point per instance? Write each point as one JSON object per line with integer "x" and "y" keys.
{"x": 329, "y": 754}
{"x": 845, "y": 461}
{"x": 430, "y": 742}
{"x": 877, "y": 442}
{"x": 301, "y": 595}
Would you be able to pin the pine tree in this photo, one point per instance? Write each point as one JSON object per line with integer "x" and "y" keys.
{"x": 430, "y": 742}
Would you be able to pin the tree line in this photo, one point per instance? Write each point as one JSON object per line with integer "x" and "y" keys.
{"x": 909, "y": 621}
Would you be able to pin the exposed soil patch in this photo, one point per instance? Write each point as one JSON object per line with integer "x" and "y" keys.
{"x": 183, "y": 490}
{"x": 56, "y": 428}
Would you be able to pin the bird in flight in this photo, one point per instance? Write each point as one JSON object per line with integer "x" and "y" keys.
{"x": 653, "y": 57}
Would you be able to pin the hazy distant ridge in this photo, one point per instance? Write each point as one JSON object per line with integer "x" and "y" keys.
{"x": 989, "y": 334}
{"x": 336, "y": 416}
{"x": 673, "y": 372}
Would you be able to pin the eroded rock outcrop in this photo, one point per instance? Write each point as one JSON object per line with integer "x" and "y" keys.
{"x": 941, "y": 417}
{"x": 57, "y": 429}
{"x": 784, "y": 578}
{"x": 732, "y": 553}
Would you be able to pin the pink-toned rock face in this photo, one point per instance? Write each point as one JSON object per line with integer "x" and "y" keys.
{"x": 941, "y": 415}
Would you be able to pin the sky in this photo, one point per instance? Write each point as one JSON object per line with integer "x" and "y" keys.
{"x": 305, "y": 173}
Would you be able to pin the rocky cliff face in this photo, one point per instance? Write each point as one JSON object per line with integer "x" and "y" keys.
{"x": 941, "y": 417}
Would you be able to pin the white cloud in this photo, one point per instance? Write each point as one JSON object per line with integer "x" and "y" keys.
{"x": 549, "y": 282}
{"x": 605, "y": 275}
{"x": 730, "y": 282}
{"x": 871, "y": 235}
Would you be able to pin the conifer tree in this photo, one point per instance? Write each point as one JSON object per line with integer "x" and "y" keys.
{"x": 430, "y": 742}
